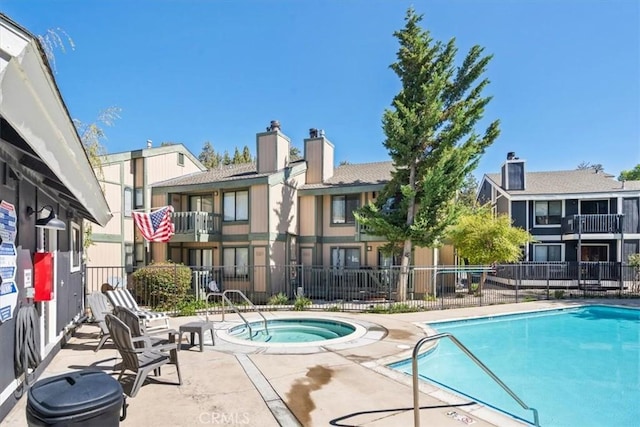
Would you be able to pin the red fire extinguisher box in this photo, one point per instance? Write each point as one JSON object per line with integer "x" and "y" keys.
{"x": 43, "y": 276}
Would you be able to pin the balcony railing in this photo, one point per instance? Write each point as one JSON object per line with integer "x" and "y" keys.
{"x": 600, "y": 223}
{"x": 195, "y": 225}
{"x": 364, "y": 234}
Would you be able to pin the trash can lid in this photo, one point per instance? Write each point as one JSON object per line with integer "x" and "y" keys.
{"x": 74, "y": 393}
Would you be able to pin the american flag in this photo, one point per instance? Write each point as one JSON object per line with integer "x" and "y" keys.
{"x": 155, "y": 226}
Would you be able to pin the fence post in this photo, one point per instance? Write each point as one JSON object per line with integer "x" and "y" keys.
{"x": 548, "y": 278}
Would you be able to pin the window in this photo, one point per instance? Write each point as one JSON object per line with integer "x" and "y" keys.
{"x": 128, "y": 257}
{"x": 180, "y": 159}
{"x": 342, "y": 208}
{"x": 345, "y": 257}
{"x": 139, "y": 253}
{"x": 76, "y": 246}
{"x": 139, "y": 200}
{"x": 594, "y": 207}
{"x": 236, "y": 206}
{"x": 128, "y": 201}
{"x": 201, "y": 203}
{"x": 235, "y": 262}
{"x": 548, "y": 212}
{"x": 547, "y": 252}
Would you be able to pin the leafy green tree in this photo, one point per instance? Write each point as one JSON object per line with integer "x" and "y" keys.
{"x": 208, "y": 157}
{"x": 431, "y": 138}
{"x": 294, "y": 153}
{"x": 630, "y": 175}
{"x": 483, "y": 238}
{"x": 468, "y": 191}
{"x": 226, "y": 159}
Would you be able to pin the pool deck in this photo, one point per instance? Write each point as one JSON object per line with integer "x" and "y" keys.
{"x": 345, "y": 384}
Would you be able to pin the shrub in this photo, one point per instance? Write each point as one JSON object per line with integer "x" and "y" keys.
{"x": 163, "y": 285}
{"x": 333, "y": 308}
{"x": 301, "y": 303}
{"x": 558, "y": 294}
{"x": 279, "y": 299}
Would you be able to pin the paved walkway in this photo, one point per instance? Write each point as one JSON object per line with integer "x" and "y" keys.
{"x": 346, "y": 384}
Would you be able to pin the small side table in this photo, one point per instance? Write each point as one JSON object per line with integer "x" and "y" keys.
{"x": 197, "y": 328}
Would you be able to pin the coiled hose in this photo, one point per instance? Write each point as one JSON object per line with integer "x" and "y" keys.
{"x": 27, "y": 348}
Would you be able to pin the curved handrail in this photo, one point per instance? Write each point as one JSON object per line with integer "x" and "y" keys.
{"x": 224, "y": 298}
{"x": 239, "y": 292}
{"x": 414, "y": 369}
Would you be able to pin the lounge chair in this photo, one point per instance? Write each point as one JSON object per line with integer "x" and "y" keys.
{"x": 142, "y": 360}
{"x": 99, "y": 305}
{"x": 121, "y": 297}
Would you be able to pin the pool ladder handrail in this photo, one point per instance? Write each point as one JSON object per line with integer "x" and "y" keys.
{"x": 416, "y": 389}
{"x": 224, "y": 297}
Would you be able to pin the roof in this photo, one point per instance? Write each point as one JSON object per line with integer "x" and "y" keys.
{"x": 216, "y": 175}
{"x": 567, "y": 182}
{"x": 378, "y": 173}
{"x": 43, "y": 145}
{"x": 152, "y": 151}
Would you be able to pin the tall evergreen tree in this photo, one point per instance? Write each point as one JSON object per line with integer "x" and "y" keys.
{"x": 246, "y": 155}
{"x": 431, "y": 139}
{"x": 237, "y": 157}
{"x": 208, "y": 156}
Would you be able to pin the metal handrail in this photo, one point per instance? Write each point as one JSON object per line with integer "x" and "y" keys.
{"x": 414, "y": 368}
{"x": 239, "y": 292}
{"x": 224, "y": 298}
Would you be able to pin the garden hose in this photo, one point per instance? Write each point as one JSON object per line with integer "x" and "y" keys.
{"x": 27, "y": 346}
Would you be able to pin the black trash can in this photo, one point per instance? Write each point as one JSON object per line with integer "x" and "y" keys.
{"x": 81, "y": 398}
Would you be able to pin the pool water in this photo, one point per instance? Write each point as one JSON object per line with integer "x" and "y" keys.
{"x": 577, "y": 367}
{"x": 293, "y": 331}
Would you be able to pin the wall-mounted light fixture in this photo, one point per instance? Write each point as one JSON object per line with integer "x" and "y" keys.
{"x": 215, "y": 192}
{"x": 51, "y": 221}
{"x": 369, "y": 248}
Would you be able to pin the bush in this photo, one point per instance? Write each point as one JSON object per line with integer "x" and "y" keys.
{"x": 279, "y": 299}
{"x": 558, "y": 294}
{"x": 162, "y": 285}
{"x": 301, "y": 303}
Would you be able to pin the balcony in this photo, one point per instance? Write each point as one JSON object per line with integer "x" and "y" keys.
{"x": 196, "y": 226}
{"x": 590, "y": 224}
{"x": 363, "y": 234}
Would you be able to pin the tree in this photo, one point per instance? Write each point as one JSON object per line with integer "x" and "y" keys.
{"x": 468, "y": 191}
{"x": 237, "y": 157}
{"x": 246, "y": 155}
{"x": 586, "y": 165}
{"x": 208, "y": 157}
{"x": 431, "y": 139}
{"x": 294, "y": 153}
{"x": 484, "y": 238}
{"x": 630, "y": 175}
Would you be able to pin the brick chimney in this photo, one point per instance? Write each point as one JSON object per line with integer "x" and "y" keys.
{"x": 512, "y": 173}
{"x": 318, "y": 152}
{"x": 273, "y": 149}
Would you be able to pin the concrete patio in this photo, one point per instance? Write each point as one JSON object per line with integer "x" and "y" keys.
{"x": 347, "y": 385}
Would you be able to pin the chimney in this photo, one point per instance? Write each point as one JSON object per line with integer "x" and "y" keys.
{"x": 149, "y": 143}
{"x": 513, "y": 173}
{"x": 318, "y": 152}
{"x": 272, "y": 148}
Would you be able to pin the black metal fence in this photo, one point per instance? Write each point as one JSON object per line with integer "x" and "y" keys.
{"x": 379, "y": 289}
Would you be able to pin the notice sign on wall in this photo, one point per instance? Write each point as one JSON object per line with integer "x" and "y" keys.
{"x": 8, "y": 266}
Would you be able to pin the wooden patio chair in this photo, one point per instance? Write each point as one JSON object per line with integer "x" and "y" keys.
{"x": 121, "y": 297}
{"x": 99, "y": 305}
{"x": 140, "y": 360}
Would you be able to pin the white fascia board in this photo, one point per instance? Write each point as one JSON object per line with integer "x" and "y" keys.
{"x": 580, "y": 196}
{"x": 30, "y": 102}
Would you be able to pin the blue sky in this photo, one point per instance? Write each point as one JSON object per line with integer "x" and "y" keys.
{"x": 565, "y": 75}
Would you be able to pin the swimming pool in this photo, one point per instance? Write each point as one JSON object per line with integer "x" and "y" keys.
{"x": 301, "y": 331}
{"x": 577, "y": 367}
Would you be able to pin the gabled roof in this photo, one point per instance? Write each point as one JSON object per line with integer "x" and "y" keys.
{"x": 378, "y": 173}
{"x": 39, "y": 140}
{"x": 150, "y": 152}
{"x": 567, "y": 182}
{"x": 220, "y": 174}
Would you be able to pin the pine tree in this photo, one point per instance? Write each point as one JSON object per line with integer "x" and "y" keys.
{"x": 237, "y": 157}
{"x": 246, "y": 155}
{"x": 226, "y": 159}
{"x": 208, "y": 156}
{"x": 431, "y": 139}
